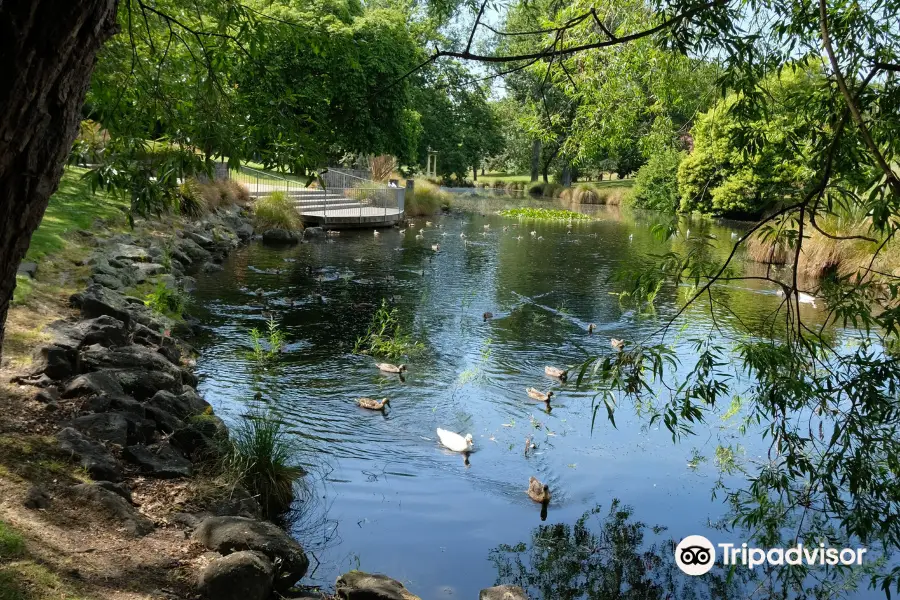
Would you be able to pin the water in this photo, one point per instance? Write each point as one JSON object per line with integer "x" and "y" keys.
{"x": 395, "y": 501}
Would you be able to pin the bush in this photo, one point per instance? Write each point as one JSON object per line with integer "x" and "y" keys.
{"x": 261, "y": 459}
{"x": 276, "y": 211}
{"x": 587, "y": 194}
{"x": 426, "y": 199}
{"x": 167, "y": 301}
{"x": 191, "y": 202}
{"x": 656, "y": 183}
{"x": 382, "y": 166}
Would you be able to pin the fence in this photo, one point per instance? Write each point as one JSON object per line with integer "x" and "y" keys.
{"x": 347, "y": 199}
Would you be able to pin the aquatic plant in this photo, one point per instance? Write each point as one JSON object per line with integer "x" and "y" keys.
{"x": 274, "y": 342}
{"x": 261, "y": 459}
{"x": 385, "y": 337}
{"x": 544, "y": 214}
{"x": 167, "y": 301}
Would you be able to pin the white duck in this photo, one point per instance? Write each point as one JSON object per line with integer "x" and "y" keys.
{"x": 802, "y": 297}
{"x": 454, "y": 441}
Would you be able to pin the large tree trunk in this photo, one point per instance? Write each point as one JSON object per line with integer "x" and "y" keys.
{"x": 474, "y": 172}
{"x": 566, "y": 178}
{"x": 535, "y": 160}
{"x": 48, "y": 49}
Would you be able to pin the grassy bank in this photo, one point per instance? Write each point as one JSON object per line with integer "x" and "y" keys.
{"x": 427, "y": 199}
{"x": 612, "y": 193}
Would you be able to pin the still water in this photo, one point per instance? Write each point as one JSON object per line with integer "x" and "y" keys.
{"x": 387, "y": 497}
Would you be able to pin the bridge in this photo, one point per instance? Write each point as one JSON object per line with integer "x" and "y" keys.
{"x": 348, "y": 200}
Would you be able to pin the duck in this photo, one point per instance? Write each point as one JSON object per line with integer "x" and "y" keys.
{"x": 631, "y": 237}
{"x": 529, "y": 446}
{"x": 538, "y": 395}
{"x": 427, "y": 223}
{"x": 591, "y": 329}
{"x": 436, "y": 247}
{"x": 376, "y": 233}
{"x": 617, "y": 344}
{"x": 556, "y": 372}
{"x": 506, "y": 228}
{"x": 488, "y": 315}
{"x": 733, "y": 235}
{"x": 454, "y": 441}
{"x": 402, "y": 232}
{"x": 389, "y": 368}
{"x": 372, "y": 404}
{"x": 332, "y": 232}
{"x": 486, "y": 227}
{"x": 462, "y": 236}
{"x": 802, "y": 297}
{"x": 420, "y": 237}
{"x": 537, "y": 491}
{"x": 519, "y": 238}
{"x": 533, "y": 233}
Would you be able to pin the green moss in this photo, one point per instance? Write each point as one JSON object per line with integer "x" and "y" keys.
{"x": 12, "y": 545}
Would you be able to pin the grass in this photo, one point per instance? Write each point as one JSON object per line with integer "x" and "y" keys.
{"x": 276, "y": 211}
{"x": 611, "y": 193}
{"x": 167, "y": 301}
{"x": 385, "y": 337}
{"x": 427, "y": 199}
{"x": 274, "y": 343}
{"x": 11, "y": 543}
{"x": 544, "y": 214}
{"x": 261, "y": 460}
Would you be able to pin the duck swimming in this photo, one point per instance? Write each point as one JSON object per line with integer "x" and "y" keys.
{"x": 389, "y": 368}
{"x": 591, "y": 329}
{"x": 538, "y": 491}
{"x": 538, "y": 395}
{"x": 372, "y": 404}
{"x": 454, "y": 441}
{"x": 617, "y": 344}
{"x": 556, "y": 372}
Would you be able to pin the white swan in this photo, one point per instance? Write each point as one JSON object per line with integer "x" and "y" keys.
{"x": 454, "y": 441}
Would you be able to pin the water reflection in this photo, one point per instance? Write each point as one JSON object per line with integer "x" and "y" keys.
{"x": 604, "y": 555}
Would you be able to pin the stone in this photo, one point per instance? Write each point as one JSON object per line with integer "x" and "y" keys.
{"x": 170, "y": 403}
{"x": 57, "y": 362}
{"x": 359, "y": 585}
{"x": 201, "y": 240}
{"x": 235, "y": 534}
{"x": 117, "y": 488}
{"x": 194, "y": 443}
{"x": 147, "y": 270}
{"x": 503, "y": 592}
{"x": 28, "y": 269}
{"x": 104, "y": 330}
{"x": 116, "y": 506}
{"x": 193, "y": 251}
{"x": 237, "y": 503}
{"x": 313, "y": 232}
{"x": 47, "y": 396}
{"x": 211, "y": 267}
{"x": 99, "y": 382}
{"x": 159, "y": 460}
{"x": 279, "y": 236}
{"x": 96, "y": 459}
{"x": 105, "y": 427}
{"x": 238, "y": 576}
{"x": 96, "y": 301}
{"x": 96, "y": 357}
{"x": 143, "y": 383}
{"x": 37, "y": 498}
{"x": 129, "y": 252}
{"x": 108, "y": 281}
{"x": 189, "y": 284}
{"x": 245, "y": 231}
{"x": 162, "y": 419}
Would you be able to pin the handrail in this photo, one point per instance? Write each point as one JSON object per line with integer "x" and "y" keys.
{"x": 267, "y": 174}
{"x": 345, "y": 174}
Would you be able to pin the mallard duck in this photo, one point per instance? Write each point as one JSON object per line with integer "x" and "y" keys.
{"x": 537, "y": 395}
{"x": 454, "y": 441}
{"x": 488, "y": 315}
{"x": 372, "y": 404}
{"x": 538, "y": 491}
{"x": 617, "y": 344}
{"x": 389, "y": 368}
{"x": 556, "y": 372}
{"x": 591, "y": 329}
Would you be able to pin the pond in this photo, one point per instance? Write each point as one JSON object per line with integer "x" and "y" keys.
{"x": 387, "y": 497}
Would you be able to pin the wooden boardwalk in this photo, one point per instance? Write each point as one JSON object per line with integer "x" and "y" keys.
{"x": 334, "y": 210}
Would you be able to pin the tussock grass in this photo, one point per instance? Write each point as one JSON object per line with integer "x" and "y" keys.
{"x": 611, "y": 193}
{"x": 276, "y": 211}
{"x": 426, "y": 199}
{"x": 221, "y": 193}
{"x": 261, "y": 458}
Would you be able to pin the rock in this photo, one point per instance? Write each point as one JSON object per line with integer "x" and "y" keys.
{"x": 96, "y": 301}
{"x": 238, "y": 576}
{"x": 188, "y": 284}
{"x": 245, "y": 231}
{"x": 359, "y": 585}
{"x": 96, "y": 358}
{"x": 503, "y": 592}
{"x": 195, "y": 444}
{"x": 180, "y": 406}
{"x": 279, "y": 236}
{"x": 211, "y": 267}
{"x": 55, "y": 361}
{"x": 37, "y": 498}
{"x": 103, "y": 330}
{"x": 159, "y": 460}
{"x": 162, "y": 419}
{"x": 47, "y": 396}
{"x": 193, "y": 251}
{"x": 117, "y": 488}
{"x": 235, "y": 534}
{"x": 147, "y": 270}
{"x": 116, "y": 506}
{"x": 99, "y": 463}
{"x": 129, "y": 252}
{"x": 201, "y": 240}
{"x": 105, "y": 427}
{"x": 237, "y": 503}
{"x": 143, "y": 383}
{"x": 99, "y": 382}
{"x": 313, "y": 232}
{"x": 28, "y": 269}
{"x": 108, "y": 281}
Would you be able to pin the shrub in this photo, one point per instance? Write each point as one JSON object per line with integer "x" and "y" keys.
{"x": 536, "y": 188}
{"x": 587, "y": 194}
{"x": 233, "y": 192}
{"x": 426, "y": 199}
{"x": 167, "y": 301}
{"x": 656, "y": 183}
{"x": 191, "y": 202}
{"x": 261, "y": 459}
{"x": 276, "y": 211}
{"x": 274, "y": 342}
{"x": 382, "y": 166}
{"x": 385, "y": 337}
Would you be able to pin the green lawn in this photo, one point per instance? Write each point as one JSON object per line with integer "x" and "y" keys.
{"x": 492, "y": 177}
{"x": 71, "y": 208}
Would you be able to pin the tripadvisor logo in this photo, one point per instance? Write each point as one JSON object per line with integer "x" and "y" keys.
{"x": 696, "y": 555}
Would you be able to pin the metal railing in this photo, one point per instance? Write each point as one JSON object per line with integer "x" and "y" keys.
{"x": 347, "y": 199}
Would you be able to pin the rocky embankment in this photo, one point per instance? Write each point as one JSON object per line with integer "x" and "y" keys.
{"x": 127, "y": 371}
